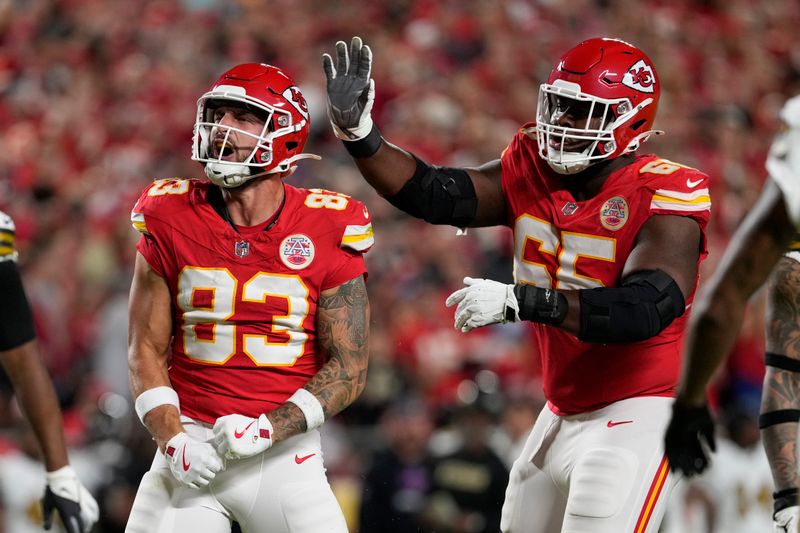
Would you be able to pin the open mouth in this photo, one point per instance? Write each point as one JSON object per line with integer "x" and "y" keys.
{"x": 567, "y": 145}
{"x": 224, "y": 150}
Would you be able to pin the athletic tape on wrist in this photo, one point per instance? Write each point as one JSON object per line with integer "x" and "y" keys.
{"x": 155, "y": 397}
{"x": 309, "y": 404}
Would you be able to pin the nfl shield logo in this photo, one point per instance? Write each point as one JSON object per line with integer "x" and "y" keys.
{"x": 242, "y": 248}
{"x": 569, "y": 208}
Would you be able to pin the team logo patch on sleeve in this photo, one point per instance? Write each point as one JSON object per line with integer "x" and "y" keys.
{"x": 614, "y": 213}
{"x": 297, "y": 251}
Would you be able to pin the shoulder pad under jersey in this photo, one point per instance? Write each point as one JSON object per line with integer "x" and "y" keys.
{"x": 345, "y": 211}
{"x": 677, "y": 187}
{"x": 155, "y": 197}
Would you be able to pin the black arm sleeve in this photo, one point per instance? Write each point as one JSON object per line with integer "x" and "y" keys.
{"x": 16, "y": 320}
{"x": 646, "y": 303}
{"x": 438, "y": 195}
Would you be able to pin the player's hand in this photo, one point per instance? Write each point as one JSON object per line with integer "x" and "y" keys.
{"x": 351, "y": 91}
{"x": 193, "y": 462}
{"x": 239, "y": 436}
{"x": 786, "y": 520}
{"x": 483, "y": 302}
{"x": 690, "y": 439}
{"x": 76, "y": 506}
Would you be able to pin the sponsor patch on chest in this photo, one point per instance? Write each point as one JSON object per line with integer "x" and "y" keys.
{"x": 614, "y": 213}
{"x": 297, "y": 251}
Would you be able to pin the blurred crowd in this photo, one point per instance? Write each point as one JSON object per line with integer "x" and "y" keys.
{"x": 97, "y": 98}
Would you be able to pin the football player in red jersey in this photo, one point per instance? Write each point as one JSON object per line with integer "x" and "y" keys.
{"x": 248, "y": 321}
{"x": 767, "y": 239}
{"x": 22, "y": 362}
{"x": 607, "y": 247}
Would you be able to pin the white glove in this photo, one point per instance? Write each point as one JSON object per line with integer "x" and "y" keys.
{"x": 783, "y": 161}
{"x": 351, "y": 91}
{"x": 76, "y": 506}
{"x": 239, "y": 436}
{"x": 482, "y": 302}
{"x": 786, "y": 520}
{"x": 193, "y": 462}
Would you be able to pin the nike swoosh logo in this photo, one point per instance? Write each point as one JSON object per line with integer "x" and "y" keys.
{"x": 239, "y": 434}
{"x": 183, "y": 460}
{"x": 611, "y": 424}
{"x": 301, "y": 460}
{"x": 692, "y": 184}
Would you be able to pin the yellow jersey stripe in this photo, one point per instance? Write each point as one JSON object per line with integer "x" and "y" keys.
{"x": 141, "y": 227}
{"x": 670, "y": 199}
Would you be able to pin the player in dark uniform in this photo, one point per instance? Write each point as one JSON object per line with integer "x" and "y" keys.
{"x": 22, "y": 361}
{"x": 758, "y": 247}
{"x": 607, "y": 246}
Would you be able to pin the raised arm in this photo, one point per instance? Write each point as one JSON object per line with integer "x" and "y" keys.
{"x": 342, "y": 336}
{"x": 440, "y": 195}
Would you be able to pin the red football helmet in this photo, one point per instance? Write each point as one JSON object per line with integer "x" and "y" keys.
{"x": 615, "y": 88}
{"x": 271, "y": 94}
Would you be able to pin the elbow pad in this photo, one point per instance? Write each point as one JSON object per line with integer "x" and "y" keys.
{"x": 438, "y": 195}
{"x": 646, "y": 303}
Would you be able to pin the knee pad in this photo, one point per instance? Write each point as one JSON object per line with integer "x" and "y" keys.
{"x": 601, "y": 482}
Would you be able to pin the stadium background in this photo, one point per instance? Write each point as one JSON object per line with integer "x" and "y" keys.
{"x": 97, "y": 98}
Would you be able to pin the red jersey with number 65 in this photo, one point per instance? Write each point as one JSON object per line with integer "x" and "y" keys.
{"x": 244, "y": 300}
{"x": 563, "y": 243}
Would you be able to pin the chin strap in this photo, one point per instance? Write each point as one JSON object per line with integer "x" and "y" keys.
{"x": 637, "y": 141}
{"x": 230, "y": 175}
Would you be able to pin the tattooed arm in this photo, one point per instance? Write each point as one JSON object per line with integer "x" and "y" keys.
{"x": 342, "y": 335}
{"x": 782, "y": 387}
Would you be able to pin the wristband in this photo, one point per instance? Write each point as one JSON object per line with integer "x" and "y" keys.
{"x": 155, "y": 397}
{"x": 545, "y": 306}
{"x": 365, "y": 147}
{"x": 312, "y": 409}
{"x": 784, "y": 498}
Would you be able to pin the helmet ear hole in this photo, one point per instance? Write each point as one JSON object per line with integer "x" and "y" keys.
{"x": 291, "y": 145}
{"x": 638, "y": 124}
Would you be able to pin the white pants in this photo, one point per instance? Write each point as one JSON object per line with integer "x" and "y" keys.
{"x": 283, "y": 490}
{"x": 598, "y": 472}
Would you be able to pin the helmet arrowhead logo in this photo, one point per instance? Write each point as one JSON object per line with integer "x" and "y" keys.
{"x": 640, "y": 77}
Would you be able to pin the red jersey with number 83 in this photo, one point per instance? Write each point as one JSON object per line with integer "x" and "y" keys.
{"x": 244, "y": 303}
{"x": 567, "y": 244}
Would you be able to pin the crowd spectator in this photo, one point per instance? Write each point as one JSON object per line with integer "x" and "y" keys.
{"x": 97, "y": 99}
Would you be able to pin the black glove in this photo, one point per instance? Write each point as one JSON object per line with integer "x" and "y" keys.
{"x": 65, "y": 493}
{"x": 690, "y": 436}
{"x": 69, "y": 510}
{"x": 350, "y": 90}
